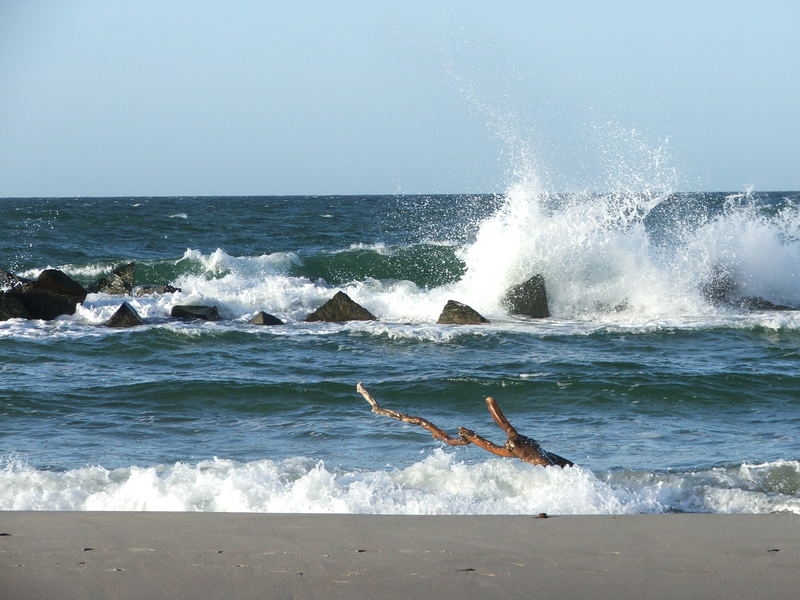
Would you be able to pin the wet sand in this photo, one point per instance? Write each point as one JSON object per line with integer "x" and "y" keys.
{"x": 70, "y": 555}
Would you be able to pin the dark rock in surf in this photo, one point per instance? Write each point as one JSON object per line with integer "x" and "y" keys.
{"x": 188, "y": 312}
{"x": 528, "y": 299}
{"x": 621, "y": 306}
{"x": 719, "y": 287}
{"x": 125, "y": 316}
{"x": 759, "y": 303}
{"x": 456, "y": 313}
{"x": 341, "y": 308}
{"x": 263, "y": 318}
{"x": 52, "y": 294}
{"x": 58, "y": 282}
{"x": 9, "y": 280}
{"x": 154, "y": 290}
{"x": 43, "y": 304}
{"x": 119, "y": 282}
{"x": 12, "y": 307}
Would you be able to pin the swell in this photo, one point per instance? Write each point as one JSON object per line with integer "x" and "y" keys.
{"x": 425, "y": 265}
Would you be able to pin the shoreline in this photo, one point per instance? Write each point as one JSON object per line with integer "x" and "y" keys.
{"x": 249, "y": 555}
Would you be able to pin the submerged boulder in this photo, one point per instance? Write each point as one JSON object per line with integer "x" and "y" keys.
{"x": 125, "y": 316}
{"x": 263, "y": 318}
{"x": 528, "y": 299}
{"x": 719, "y": 287}
{"x": 185, "y": 311}
{"x": 456, "y": 313}
{"x": 119, "y": 282}
{"x": 759, "y": 303}
{"x": 341, "y": 308}
{"x": 154, "y": 290}
{"x": 52, "y": 294}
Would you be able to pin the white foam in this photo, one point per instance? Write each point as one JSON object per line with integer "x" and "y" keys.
{"x": 438, "y": 484}
{"x": 596, "y": 252}
{"x": 378, "y": 248}
{"x": 220, "y": 262}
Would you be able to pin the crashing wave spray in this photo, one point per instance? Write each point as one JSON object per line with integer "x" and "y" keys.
{"x": 638, "y": 247}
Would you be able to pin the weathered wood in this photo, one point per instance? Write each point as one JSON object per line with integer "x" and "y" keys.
{"x": 438, "y": 433}
{"x": 517, "y": 446}
{"x": 482, "y": 442}
{"x": 522, "y": 447}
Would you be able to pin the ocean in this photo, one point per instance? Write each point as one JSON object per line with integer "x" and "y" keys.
{"x": 666, "y": 400}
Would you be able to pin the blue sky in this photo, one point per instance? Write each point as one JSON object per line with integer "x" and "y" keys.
{"x": 109, "y": 98}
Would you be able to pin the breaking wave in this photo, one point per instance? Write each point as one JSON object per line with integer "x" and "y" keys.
{"x": 435, "y": 485}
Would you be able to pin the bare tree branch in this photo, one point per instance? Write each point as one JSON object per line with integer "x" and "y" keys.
{"x": 438, "y": 433}
{"x": 517, "y": 446}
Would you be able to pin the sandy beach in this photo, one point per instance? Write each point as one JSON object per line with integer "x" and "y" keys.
{"x": 70, "y": 555}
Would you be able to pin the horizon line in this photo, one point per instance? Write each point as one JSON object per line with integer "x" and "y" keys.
{"x": 365, "y": 195}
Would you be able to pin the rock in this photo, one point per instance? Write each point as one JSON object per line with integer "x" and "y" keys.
{"x": 621, "y": 306}
{"x": 206, "y": 313}
{"x": 456, "y": 313}
{"x": 12, "y": 307}
{"x": 51, "y": 295}
{"x": 341, "y": 308}
{"x": 759, "y": 303}
{"x": 9, "y": 280}
{"x": 263, "y": 318}
{"x": 528, "y": 299}
{"x": 154, "y": 290}
{"x": 120, "y": 282}
{"x": 42, "y": 304}
{"x": 126, "y": 316}
{"x": 60, "y": 283}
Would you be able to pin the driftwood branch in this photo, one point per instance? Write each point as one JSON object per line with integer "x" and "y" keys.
{"x": 517, "y": 446}
{"x": 438, "y": 433}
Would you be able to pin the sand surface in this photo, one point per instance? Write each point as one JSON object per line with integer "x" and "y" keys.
{"x": 68, "y": 555}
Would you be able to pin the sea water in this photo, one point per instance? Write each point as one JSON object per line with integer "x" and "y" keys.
{"x": 665, "y": 400}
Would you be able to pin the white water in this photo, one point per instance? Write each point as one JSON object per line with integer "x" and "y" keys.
{"x": 612, "y": 265}
{"x": 437, "y": 484}
{"x": 595, "y": 251}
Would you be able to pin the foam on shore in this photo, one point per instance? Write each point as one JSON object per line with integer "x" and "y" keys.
{"x": 436, "y": 485}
